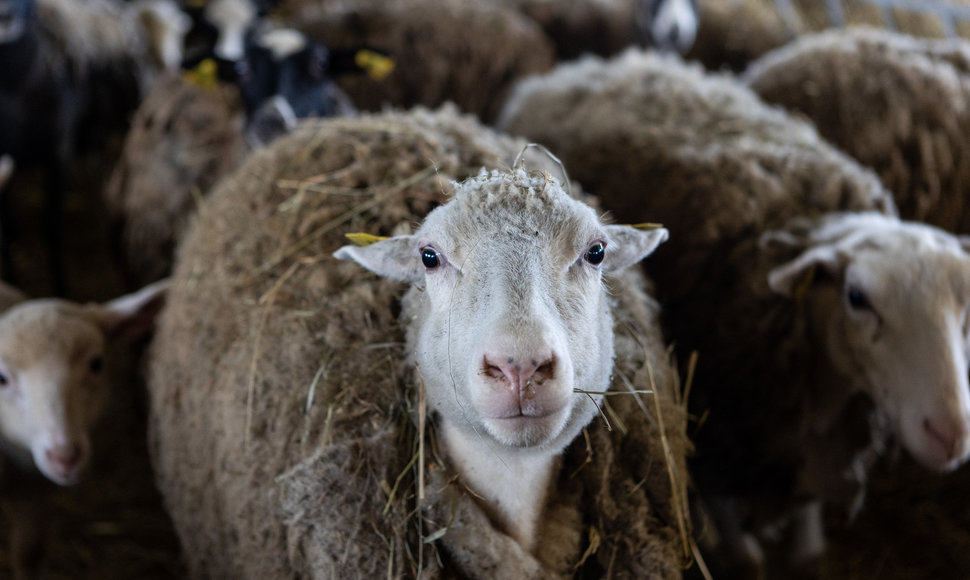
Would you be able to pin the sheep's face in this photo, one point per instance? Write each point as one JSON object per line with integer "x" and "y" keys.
{"x": 52, "y": 386}
{"x": 894, "y": 302}
{"x": 14, "y": 16}
{"x": 510, "y": 313}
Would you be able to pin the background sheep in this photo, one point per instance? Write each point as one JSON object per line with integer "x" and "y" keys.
{"x": 734, "y": 32}
{"x": 720, "y": 169}
{"x": 52, "y": 391}
{"x": 896, "y": 104}
{"x": 294, "y": 456}
{"x": 183, "y": 139}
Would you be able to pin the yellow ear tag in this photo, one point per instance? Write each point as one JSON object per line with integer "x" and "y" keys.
{"x": 204, "y": 75}
{"x": 646, "y": 226}
{"x": 362, "y": 239}
{"x": 377, "y": 65}
{"x": 803, "y": 285}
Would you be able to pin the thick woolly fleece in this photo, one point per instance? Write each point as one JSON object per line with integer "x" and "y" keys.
{"x": 659, "y": 140}
{"x": 283, "y": 409}
{"x": 897, "y": 104}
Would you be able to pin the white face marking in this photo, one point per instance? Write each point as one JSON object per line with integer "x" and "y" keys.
{"x": 675, "y": 25}
{"x": 283, "y": 42}
{"x": 232, "y": 18}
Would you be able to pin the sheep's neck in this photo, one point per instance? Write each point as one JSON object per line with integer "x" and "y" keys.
{"x": 512, "y": 485}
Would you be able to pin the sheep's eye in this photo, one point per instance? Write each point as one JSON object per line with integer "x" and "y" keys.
{"x": 4, "y": 381}
{"x": 96, "y": 364}
{"x": 596, "y": 253}
{"x": 857, "y": 300}
{"x": 429, "y": 258}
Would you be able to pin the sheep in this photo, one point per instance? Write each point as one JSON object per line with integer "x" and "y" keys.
{"x": 322, "y": 479}
{"x": 798, "y": 402}
{"x": 735, "y": 33}
{"x": 183, "y": 139}
{"x": 895, "y": 103}
{"x": 527, "y": 333}
{"x": 52, "y": 392}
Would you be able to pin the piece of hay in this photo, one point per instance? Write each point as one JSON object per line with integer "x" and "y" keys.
{"x": 282, "y": 406}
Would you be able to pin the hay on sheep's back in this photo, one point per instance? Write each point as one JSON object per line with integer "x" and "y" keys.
{"x": 279, "y": 378}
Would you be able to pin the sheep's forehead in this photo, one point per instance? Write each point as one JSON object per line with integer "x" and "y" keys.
{"x": 44, "y": 332}
{"x": 913, "y": 262}
{"x": 500, "y": 207}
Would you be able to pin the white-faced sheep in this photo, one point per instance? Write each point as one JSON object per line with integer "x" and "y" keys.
{"x": 298, "y": 448}
{"x": 52, "y": 392}
{"x": 897, "y": 104}
{"x": 509, "y": 325}
{"x": 814, "y": 342}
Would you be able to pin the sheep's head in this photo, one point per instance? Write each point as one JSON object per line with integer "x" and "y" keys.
{"x": 893, "y": 300}
{"x": 52, "y": 385}
{"x": 510, "y": 313}
{"x": 15, "y": 15}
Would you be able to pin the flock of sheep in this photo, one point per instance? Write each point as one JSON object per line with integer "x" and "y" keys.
{"x": 483, "y": 382}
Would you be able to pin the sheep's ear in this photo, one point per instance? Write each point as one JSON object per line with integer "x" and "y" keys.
{"x": 132, "y": 315}
{"x": 791, "y": 278}
{"x": 630, "y": 245}
{"x": 395, "y": 258}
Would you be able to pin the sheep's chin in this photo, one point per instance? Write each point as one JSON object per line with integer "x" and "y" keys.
{"x": 527, "y": 431}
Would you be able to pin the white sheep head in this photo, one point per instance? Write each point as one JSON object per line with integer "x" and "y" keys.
{"x": 510, "y": 314}
{"x": 52, "y": 384}
{"x": 893, "y": 303}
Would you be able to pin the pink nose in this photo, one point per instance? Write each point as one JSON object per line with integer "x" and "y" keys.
{"x": 523, "y": 373}
{"x": 64, "y": 458}
{"x": 949, "y": 436}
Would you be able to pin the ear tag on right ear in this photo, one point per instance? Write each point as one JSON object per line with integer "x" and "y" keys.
{"x": 204, "y": 75}
{"x": 377, "y": 66}
{"x": 803, "y": 285}
{"x": 361, "y": 239}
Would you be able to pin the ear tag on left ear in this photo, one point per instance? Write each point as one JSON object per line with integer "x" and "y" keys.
{"x": 377, "y": 66}
{"x": 646, "y": 226}
{"x": 203, "y": 75}
{"x": 803, "y": 285}
{"x": 361, "y": 239}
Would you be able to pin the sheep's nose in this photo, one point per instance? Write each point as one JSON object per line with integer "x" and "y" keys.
{"x": 64, "y": 458}
{"x": 523, "y": 373}
{"x": 952, "y": 437}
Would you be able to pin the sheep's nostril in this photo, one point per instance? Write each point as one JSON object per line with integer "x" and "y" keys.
{"x": 545, "y": 372}
{"x": 65, "y": 457}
